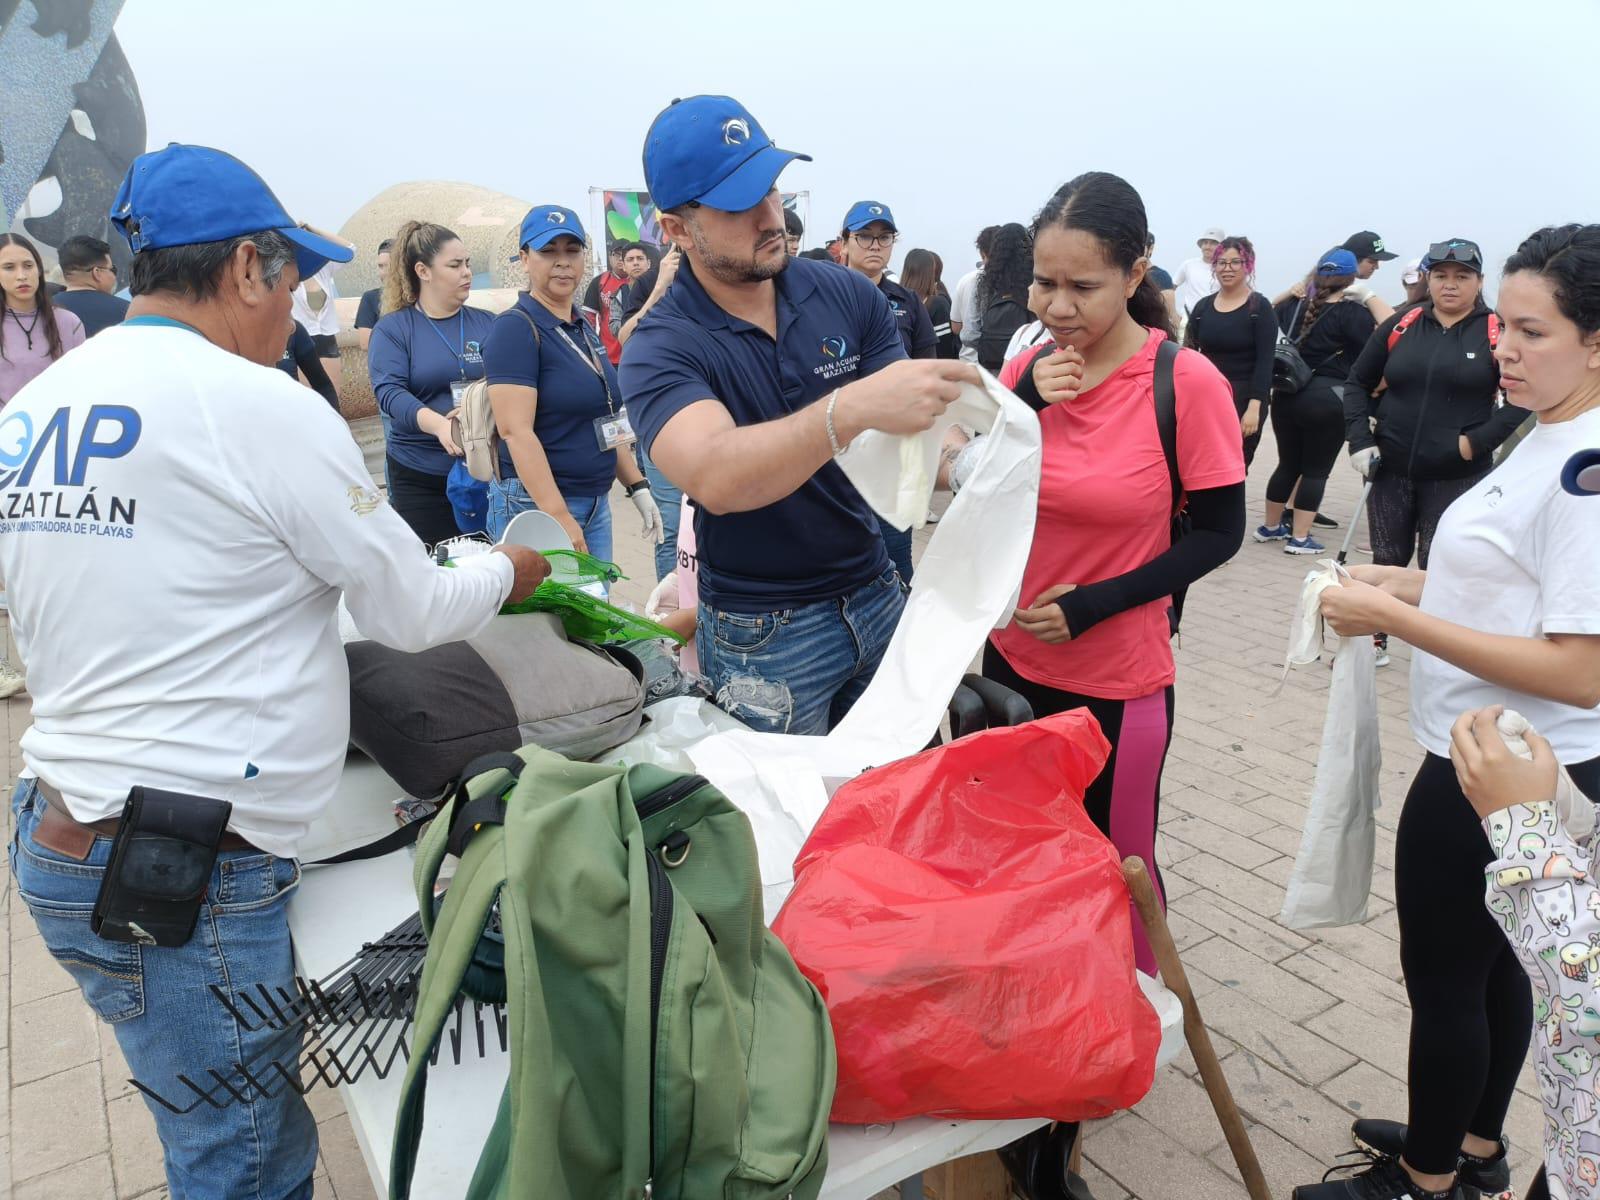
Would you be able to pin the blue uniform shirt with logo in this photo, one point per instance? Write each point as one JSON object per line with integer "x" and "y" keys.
{"x": 834, "y": 327}
{"x": 911, "y": 318}
{"x": 571, "y": 396}
{"x": 413, "y": 360}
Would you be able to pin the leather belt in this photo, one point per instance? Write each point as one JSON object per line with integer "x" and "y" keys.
{"x": 60, "y": 831}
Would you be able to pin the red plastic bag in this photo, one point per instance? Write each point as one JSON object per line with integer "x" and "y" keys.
{"x": 969, "y": 929}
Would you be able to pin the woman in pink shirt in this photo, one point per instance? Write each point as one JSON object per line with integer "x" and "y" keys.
{"x": 1105, "y": 564}
{"x": 33, "y": 332}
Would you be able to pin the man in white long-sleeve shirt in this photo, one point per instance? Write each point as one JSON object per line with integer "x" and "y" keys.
{"x": 178, "y": 520}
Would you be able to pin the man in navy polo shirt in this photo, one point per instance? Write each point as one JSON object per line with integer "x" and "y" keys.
{"x": 750, "y": 375}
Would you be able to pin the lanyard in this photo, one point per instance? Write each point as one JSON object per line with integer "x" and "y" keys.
{"x": 460, "y": 348}
{"x": 592, "y": 361}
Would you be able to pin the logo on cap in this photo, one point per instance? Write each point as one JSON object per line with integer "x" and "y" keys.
{"x": 556, "y": 218}
{"x": 1377, "y": 245}
{"x": 735, "y": 131}
{"x": 876, "y": 210}
{"x": 833, "y": 347}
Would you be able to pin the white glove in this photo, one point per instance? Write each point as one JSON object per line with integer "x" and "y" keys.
{"x": 1573, "y": 809}
{"x": 650, "y": 515}
{"x": 1365, "y": 461}
{"x": 664, "y": 599}
{"x": 1359, "y": 292}
{"x": 961, "y": 469}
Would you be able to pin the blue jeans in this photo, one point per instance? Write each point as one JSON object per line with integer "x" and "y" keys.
{"x": 898, "y": 543}
{"x": 157, "y": 1001}
{"x": 800, "y": 669}
{"x": 507, "y": 498}
{"x": 669, "y": 500}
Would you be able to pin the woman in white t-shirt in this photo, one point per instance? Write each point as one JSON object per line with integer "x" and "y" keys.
{"x": 1508, "y": 612}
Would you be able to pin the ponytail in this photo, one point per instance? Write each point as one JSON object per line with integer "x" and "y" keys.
{"x": 1107, "y": 207}
{"x": 416, "y": 242}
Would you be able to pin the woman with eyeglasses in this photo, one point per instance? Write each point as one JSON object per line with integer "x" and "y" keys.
{"x": 33, "y": 331}
{"x": 424, "y": 351}
{"x": 1309, "y": 425}
{"x": 1423, "y": 413}
{"x": 557, "y": 404}
{"x": 1507, "y": 613}
{"x": 1237, "y": 330}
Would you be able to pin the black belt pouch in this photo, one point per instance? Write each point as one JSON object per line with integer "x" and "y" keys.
{"x": 160, "y": 866}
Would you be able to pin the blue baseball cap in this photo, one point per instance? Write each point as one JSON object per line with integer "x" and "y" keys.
{"x": 546, "y": 222}
{"x": 1338, "y": 261}
{"x": 710, "y": 149}
{"x": 188, "y": 195}
{"x": 864, "y": 212}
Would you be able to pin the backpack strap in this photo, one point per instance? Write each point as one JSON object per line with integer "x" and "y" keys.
{"x": 1410, "y": 319}
{"x": 1166, "y": 398}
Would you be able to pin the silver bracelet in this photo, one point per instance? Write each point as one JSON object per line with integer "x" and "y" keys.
{"x": 833, "y": 438}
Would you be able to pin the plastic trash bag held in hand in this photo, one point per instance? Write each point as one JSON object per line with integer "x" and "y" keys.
{"x": 970, "y": 931}
{"x": 1332, "y": 873}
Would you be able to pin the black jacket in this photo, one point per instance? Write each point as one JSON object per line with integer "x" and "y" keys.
{"x": 1442, "y": 383}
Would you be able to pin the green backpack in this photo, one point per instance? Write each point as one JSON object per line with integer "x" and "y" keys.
{"x": 663, "y": 1043}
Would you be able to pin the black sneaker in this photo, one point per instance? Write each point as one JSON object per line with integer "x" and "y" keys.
{"x": 1322, "y": 522}
{"x": 1037, "y": 1164}
{"x": 1377, "y": 1177}
{"x": 1491, "y": 1176}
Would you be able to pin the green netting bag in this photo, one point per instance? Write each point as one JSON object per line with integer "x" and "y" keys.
{"x": 580, "y": 570}
{"x": 588, "y": 618}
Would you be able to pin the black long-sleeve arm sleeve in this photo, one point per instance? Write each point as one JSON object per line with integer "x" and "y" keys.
{"x": 1360, "y": 401}
{"x": 1216, "y": 532}
{"x": 1266, "y": 330}
{"x": 1485, "y": 439}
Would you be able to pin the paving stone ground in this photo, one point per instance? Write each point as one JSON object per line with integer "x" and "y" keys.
{"x": 1312, "y": 1027}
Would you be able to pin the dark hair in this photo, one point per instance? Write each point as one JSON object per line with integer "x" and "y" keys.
{"x": 81, "y": 253}
{"x": 419, "y": 242}
{"x": 1318, "y": 289}
{"x": 1569, "y": 257}
{"x": 1106, "y": 207}
{"x": 792, "y": 225}
{"x": 817, "y": 253}
{"x": 46, "y": 311}
{"x": 920, "y": 274}
{"x": 386, "y": 244}
{"x": 195, "y": 272}
{"x": 1009, "y": 270}
{"x": 1246, "y": 252}
{"x": 938, "y": 275}
{"x": 646, "y": 249}
{"x": 985, "y": 239}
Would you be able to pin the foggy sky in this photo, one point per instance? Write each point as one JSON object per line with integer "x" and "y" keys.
{"x": 1292, "y": 123}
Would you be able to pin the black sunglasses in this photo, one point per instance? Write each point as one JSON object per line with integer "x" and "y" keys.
{"x": 1465, "y": 253}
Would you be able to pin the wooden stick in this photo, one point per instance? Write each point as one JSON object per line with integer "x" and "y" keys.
{"x": 1194, "y": 1028}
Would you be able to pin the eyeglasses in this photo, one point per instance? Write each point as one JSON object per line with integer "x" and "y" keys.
{"x": 112, "y": 268}
{"x": 868, "y": 241}
{"x": 1228, "y": 264}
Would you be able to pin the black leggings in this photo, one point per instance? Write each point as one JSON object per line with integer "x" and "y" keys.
{"x": 1471, "y": 1003}
{"x": 421, "y": 501}
{"x": 1309, "y": 428}
{"x": 1403, "y": 514}
{"x": 1125, "y": 803}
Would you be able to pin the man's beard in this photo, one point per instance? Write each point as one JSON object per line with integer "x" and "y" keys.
{"x": 727, "y": 269}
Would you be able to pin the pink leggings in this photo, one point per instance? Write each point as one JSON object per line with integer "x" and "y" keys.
{"x": 1125, "y": 800}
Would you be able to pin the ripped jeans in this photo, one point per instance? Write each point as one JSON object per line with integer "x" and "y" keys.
{"x": 800, "y": 669}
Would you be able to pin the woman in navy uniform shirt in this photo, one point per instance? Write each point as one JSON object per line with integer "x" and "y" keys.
{"x": 425, "y": 350}
{"x": 557, "y": 404}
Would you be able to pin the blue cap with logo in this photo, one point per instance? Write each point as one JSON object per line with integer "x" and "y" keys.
{"x": 1337, "y": 261}
{"x": 864, "y": 212}
{"x": 188, "y": 195}
{"x": 546, "y": 222}
{"x": 711, "y": 149}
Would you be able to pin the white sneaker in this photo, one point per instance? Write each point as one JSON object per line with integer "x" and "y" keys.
{"x": 933, "y": 517}
{"x": 12, "y": 680}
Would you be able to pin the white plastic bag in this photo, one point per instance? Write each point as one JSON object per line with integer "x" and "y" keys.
{"x": 1332, "y": 874}
{"x": 967, "y": 583}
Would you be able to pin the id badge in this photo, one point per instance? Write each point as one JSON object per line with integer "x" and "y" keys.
{"x": 614, "y": 431}
{"x": 458, "y": 392}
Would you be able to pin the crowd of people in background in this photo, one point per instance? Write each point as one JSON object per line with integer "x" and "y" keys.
{"x": 731, "y": 367}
